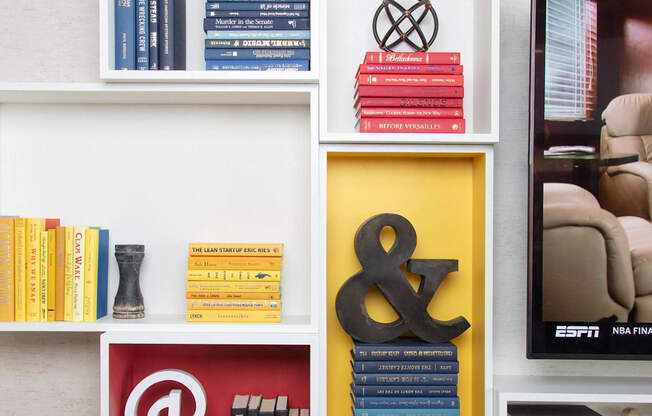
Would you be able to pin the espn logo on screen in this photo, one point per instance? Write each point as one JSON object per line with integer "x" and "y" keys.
{"x": 577, "y": 331}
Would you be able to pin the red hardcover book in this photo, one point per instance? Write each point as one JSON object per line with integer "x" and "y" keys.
{"x": 435, "y": 58}
{"x": 416, "y": 125}
{"x": 397, "y": 112}
{"x": 405, "y": 91}
{"x": 412, "y": 80}
{"x": 52, "y": 223}
{"x": 409, "y": 69}
{"x": 407, "y": 102}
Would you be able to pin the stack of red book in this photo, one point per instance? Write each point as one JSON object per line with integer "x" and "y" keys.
{"x": 410, "y": 92}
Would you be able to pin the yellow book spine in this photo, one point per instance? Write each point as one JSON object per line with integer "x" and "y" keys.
{"x": 235, "y": 250}
{"x": 79, "y": 249}
{"x": 19, "y": 270}
{"x": 52, "y": 269}
{"x": 43, "y": 281}
{"x": 251, "y": 287}
{"x": 90, "y": 274}
{"x": 33, "y": 268}
{"x": 198, "y": 315}
{"x": 234, "y": 263}
{"x": 59, "y": 273}
{"x": 69, "y": 240}
{"x": 235, "y": 275}
{"x": 244, "y": 304}
{"x": 7, "y": 285}
{"x": 232, "y": 295}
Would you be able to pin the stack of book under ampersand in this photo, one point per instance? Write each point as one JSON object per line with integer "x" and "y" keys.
{"x": 405, "y": 378}
{"x": 410, "y": 92}
{"x": 234, "y": 282}
{"x": 255, "y": 405}
{"x": 257, "y": 35}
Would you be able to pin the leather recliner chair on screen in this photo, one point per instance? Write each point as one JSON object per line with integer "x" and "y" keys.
{"x": 627, "y": 189}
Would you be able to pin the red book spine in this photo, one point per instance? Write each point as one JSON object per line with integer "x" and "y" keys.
{"x": 409, "y": 102}
{"x": 385, "y": 112}
{"x": 417, "y": 125}
{"x": 410, "y": 69}
{"x": 404, "y": 91}
{"x": 435, "y": 58}
{"x": 412, "y": 80}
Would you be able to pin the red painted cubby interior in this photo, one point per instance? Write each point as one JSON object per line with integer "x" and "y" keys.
{"x": 223, "y": 370}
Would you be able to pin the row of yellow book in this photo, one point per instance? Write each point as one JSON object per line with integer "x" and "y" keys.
{"x": 50, "y": 272}
{"x": 234, "y": 282}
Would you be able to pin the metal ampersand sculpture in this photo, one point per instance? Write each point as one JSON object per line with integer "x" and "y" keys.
{"x": 382, "y": 268}
{"x": 422, "y": 7}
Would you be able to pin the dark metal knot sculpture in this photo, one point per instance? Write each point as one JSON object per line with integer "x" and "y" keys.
{"x": 422, "y": 8}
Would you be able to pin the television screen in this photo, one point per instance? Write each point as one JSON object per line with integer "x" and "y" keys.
{"x": 590, "y": 230}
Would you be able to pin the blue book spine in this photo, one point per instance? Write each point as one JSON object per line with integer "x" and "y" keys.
{"x": 166, "y": 35}
{"x": 256, "y": 13}
{"x": 441, "y": 367}
{"x": 153, "y": 34}
{"x": 406, "y": 412}
{"x": 258, "y": 34}
{"x": 404, "y": 391}
{"x": 407, "y": 403}
{"x": 103, "y": 274}
{"x": 255, "y": 54}
{"x": 261, "y": 65}
{"x": 257, "y": 43}
{"x": 257, "y": 6}
{"x": 125, "y": 34}
{"x": 142, "y": 44}
{"x": 251, "y": 23}
{"x": 405, "y": 351}
{"x": 405, "y": 379}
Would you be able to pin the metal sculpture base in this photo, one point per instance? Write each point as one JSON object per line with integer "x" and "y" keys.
{"x": 128, "y": 303}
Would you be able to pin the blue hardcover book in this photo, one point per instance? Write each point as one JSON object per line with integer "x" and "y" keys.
{"x": 406, "y": 412}
{"x": 142, "y": 28}
{"x": 441, "y": 367}
{"x": 125, "y": 34}
{"x": 405, "y": 350}
{"x": 252, "y": 23}
{"x": 166, "y": 35}
{"x": 243, "y": 6}
{"x": 256, "y": 13}
{"x": 406, "y": 402}
{"x": 258, "y": 34}
{"x": 405, "y": 379}
{"x": 179, "y": 35}
{"x": 261, "y": 65}
{"x": 103, "y": 274}
{"x": 257, "y": 43}
{"x": 153, "y": 34}
{"x": 404, "y": 391}
{"x": 248, "y": 54}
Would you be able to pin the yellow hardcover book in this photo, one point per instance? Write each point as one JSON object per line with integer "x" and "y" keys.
{"x": 233, "y": 295}
{"x": 235, "y": 250}
{"x": 59, "y": 273}
{"x": 252, "y": 287}
{"x": 7, "y": 285}
{"x": 33, "y": 268}
{"x": 79, "y": 251}
{"x": 69, "y": 241}
{"x": 90, "y": 274}
{"x": 43, "y": 280}
{"x": 243, "y": 304}
{"x": 234, "y": 263}
{"x": 52, "y": 269}
{"x": 235, "y": 275}
{"x": 199, "y": 315}
{"x": 19, "y": 270}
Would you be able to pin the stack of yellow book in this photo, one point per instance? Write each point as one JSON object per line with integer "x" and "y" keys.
{"x": 234, "y": 282}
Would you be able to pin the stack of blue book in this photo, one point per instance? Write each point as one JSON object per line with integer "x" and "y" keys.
{"x": 257, "y": 35}
{"x": 405, "y": 378}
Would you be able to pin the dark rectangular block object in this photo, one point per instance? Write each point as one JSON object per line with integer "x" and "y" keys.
{"x": 267, "y": 407}
{"x": 254, "y": 405}
{"x": 549, "y": 410}
{"x": 281, "y": 406}
{"x": 239, "y": 406}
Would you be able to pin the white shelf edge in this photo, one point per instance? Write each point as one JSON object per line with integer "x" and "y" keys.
{"x": 409, "y": 138}
{"x": 193, "y": 76}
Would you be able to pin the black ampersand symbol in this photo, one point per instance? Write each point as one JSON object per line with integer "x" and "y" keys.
{"x": 382, "y": 269}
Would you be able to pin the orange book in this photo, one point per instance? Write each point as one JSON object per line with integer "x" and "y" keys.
{"x": 59, "y": 273}
{"x": 234, "y": 295}
{"x": 234, "y": 263}
{"x": 7, "y": 285}
{"x": 235, "y": 250}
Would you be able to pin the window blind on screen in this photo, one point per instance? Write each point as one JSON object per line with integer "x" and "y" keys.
{"x": 571, "y": 59}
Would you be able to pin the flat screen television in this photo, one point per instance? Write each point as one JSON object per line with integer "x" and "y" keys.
{"x": 590, "y": 183}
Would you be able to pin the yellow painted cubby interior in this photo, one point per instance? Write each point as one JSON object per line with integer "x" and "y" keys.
{"x": 443, "y": 196}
